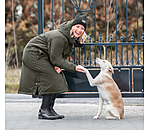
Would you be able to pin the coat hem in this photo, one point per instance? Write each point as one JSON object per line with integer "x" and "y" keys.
{"x": 27, "y": 93}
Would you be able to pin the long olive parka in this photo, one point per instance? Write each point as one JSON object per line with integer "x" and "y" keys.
{"x": 41, "y": 55}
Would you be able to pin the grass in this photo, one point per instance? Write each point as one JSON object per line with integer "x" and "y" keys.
{"x": 12, "y": 79}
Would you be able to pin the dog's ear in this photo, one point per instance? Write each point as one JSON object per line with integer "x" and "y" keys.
{"x": 110, "y": 69}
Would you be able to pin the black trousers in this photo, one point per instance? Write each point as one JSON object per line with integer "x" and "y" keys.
{"x": 48, "y": 101}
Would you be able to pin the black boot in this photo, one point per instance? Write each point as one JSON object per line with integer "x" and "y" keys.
{"x": 54, "y": 112}
{"x": 44, "y": 112}
{"x": 52, "y": 105}
{"x": 47, "y": 114}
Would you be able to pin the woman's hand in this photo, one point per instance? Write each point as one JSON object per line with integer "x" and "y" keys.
{"x": 79, "y": 69}
{"x": 58, "y": 70}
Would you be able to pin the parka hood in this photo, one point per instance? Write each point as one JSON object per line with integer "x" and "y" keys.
{"x": 65, "y": 28}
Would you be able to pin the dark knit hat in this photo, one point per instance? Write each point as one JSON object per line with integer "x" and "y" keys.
{"x": 80, "y": 19}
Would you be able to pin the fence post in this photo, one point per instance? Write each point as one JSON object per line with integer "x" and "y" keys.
{"x": 40, "y": 16}
{"x": 90, "y": 47}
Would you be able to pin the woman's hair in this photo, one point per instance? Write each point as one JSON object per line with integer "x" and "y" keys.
{"x": 81, "y": 39}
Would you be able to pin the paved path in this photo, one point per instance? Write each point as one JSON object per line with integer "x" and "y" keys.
{"x": 21, "y": 114}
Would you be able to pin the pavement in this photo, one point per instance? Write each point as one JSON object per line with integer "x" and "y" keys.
{"x": 21, "y": 114}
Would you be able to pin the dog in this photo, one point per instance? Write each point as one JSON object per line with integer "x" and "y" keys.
{"x": 108, "y": 91}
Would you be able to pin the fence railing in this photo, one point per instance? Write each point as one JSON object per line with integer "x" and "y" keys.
{"x": 120, "y": 54}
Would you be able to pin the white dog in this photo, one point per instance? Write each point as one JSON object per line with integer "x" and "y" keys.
{"x": 108, "y": 90}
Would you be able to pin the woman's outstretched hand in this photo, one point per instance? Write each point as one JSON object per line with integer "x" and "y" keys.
{"x": 79, "y": 69}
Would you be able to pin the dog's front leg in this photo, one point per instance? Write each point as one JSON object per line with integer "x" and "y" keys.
{"x": 90, "y": 78}
{"x": 101, "y": 101}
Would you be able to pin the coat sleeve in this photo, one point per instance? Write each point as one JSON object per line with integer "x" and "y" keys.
{"x": 56, "y": 55}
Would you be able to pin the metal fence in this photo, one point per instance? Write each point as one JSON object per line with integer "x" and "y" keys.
{"x": 126, "y": 55}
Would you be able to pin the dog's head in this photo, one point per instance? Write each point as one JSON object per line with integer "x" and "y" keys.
{"x": 105, "y": 65}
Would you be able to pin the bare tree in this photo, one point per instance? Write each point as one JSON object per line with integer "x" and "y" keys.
{"x": 111, "y": 11}
{"x": 14, "y": 33}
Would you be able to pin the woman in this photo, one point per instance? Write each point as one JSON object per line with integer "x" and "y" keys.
{"x": 43, "y": 58}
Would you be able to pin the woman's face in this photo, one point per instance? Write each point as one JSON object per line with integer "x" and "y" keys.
{"x": 78, "y": 30}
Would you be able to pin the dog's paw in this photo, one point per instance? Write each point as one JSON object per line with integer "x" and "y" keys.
{"x": 82, "y": 67}
{"x": 96, "y": 117}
